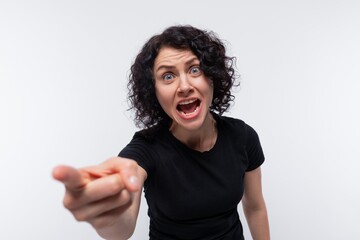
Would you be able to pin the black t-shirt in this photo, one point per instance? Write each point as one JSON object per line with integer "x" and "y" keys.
{"x": 192, "y": 194}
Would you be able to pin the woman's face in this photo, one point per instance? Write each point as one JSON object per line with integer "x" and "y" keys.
{"x": 181, "y": 88}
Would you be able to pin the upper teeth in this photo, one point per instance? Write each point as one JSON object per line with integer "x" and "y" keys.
{"x": 187, "y": 102}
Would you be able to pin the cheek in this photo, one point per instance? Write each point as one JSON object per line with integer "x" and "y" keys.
{"x": 209, "y": 90}
{"x": 163, "y": 97}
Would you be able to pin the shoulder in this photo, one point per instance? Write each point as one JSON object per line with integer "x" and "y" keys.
{"x": 230, "y": 120}
{"x": 233, "y": 125}
{"x": 143, "y": 147}
{"x": 152, "y": 133}
{"x": 237, "y": 126}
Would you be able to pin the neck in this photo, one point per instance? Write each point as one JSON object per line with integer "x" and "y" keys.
{"x": 202, "y": 139}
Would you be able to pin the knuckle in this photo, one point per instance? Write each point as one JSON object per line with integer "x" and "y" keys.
{"x": 99, "y": 222}
{"x": 124, "y": 198}
{"x": 114, "y": 183}
{"x": 79, "y": 216}
{"x": 130, "y": 164}
{"x": 110, "y": 160}
{"x": 69, "y": 203}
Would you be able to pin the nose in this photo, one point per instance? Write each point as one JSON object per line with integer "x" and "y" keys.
{"x": 185, "y": 86}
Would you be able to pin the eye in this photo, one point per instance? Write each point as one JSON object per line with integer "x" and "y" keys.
{"x": 167, "y": 77}
{"x": 195, "y": 70}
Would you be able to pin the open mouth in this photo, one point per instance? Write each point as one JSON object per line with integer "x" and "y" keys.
{"x": 188, "y": 107}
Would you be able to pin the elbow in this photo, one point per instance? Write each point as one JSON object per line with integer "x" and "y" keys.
{"x": 254, "y": 206}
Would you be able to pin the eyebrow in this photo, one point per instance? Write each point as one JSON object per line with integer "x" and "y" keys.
{"x": 164, "y": 66}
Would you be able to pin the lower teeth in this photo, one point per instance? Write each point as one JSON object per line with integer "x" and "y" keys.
{"x": 188, "y": 114}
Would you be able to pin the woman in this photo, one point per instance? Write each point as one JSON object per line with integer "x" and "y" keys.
{"x": 193, "y": 164}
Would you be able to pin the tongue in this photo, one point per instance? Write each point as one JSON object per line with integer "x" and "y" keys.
{"x": 188, "y": 108}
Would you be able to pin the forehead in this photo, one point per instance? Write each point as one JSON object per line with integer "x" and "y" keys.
{"x": 168, "y": 55}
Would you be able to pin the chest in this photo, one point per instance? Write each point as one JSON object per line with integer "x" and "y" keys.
{"x": 187, "y": 185}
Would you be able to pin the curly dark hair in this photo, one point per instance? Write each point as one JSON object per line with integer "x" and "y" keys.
{"x": 209, "y": 49}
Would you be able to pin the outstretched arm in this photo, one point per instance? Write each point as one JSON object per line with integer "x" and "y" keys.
{"x": 254, "y": 206}
{"x": 106, "y": 195}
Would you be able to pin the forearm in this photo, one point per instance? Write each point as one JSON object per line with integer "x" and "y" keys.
{"x": 258, "y": 223}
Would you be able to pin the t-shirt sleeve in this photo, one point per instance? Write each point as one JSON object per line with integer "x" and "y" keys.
{"x": 254, "y": 150}
{"x": 139, "y": 150}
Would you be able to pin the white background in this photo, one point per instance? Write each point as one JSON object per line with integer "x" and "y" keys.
{"x": 63, "y": 74}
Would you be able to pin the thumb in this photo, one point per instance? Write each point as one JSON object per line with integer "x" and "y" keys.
{"x": 129, "y": 171}
{"x": 132, "y": 183}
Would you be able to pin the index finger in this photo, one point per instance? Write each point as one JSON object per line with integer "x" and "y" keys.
{"x": 71, "y": 177}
